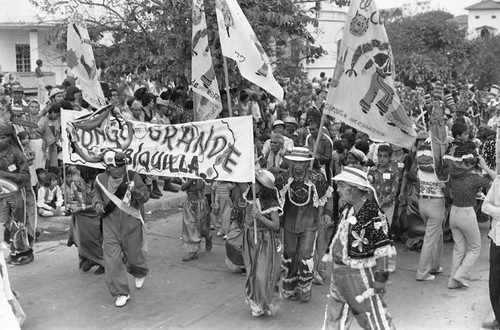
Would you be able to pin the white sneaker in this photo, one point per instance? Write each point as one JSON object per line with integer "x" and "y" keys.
{"x": 121, "y": 300}
{"x": 139, "y": 282}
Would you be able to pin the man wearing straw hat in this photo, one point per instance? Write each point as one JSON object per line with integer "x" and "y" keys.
{"x": 360, "y": 252}
{"x": 303, "y": 196}
{"x": 119, "y": 196}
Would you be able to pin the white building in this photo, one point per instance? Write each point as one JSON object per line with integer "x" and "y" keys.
{"x": 414, "y": 7}
{"x": 328, "y": 34}
{"x": 483, "y": 19}
{"x": 24, "y": 40}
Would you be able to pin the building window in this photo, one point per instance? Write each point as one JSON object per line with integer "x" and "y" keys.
{"x": 477, "y": 16}
{"x": 493, "y": 16}
{"x": 23, "y": 61}
{"x": 485, "y": 33}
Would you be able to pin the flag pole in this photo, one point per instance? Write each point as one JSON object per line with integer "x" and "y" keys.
{"x": 316, "y": 144}
{"x": 228, "y": 93}
{"x": 497, "y": 151}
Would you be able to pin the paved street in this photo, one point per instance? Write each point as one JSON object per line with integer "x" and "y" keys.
{"x": 204, "y": 294}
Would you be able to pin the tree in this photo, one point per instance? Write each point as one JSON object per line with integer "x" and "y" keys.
{"x": 429, "y": 46}
{"x": 486, "y": 62}
{"x": 156, "y": 34}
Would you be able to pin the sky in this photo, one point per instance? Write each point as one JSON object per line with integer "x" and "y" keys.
{"x": 456, "y": 7}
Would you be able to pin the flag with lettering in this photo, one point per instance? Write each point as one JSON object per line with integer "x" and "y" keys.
{"x": 81, "y": 63}
{"x": 238, "y": 42}
{"x": 362, "y": 92}
{"x": 204, "y": 81}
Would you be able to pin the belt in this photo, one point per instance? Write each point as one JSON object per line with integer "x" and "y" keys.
{"x": 431, "y": 197}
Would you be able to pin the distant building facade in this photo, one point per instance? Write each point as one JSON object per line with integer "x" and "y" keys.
{"x": 483, "y": 19}
{"x": 24, "y": 40}
{"x": 328, "y": 34}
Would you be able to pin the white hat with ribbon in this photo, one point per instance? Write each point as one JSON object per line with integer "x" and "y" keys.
{"x": 356, "y": 177}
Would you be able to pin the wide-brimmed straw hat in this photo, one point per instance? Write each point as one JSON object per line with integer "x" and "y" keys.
{"x": 265, "y": 178}
{"x": 356, "y": 177}
{"x": 299, "y": 154}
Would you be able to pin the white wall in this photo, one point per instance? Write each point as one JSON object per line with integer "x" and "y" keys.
{"x": 331, "y": 22}
{"x": 51, "y": 57}
{"x": 485, "y": 18}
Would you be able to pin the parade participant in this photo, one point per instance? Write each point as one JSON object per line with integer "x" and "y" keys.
{"x": 360, "y": 252}
{"x": 262, "y": 260}
{"x": 304, "y": 195}
{"x": 195, "y": 222}
{"x": 431, "y": 208}
{"x": 18, "y": 211}
{"x": 221, "y": 205}
{"x": 85, "y": 232}
{"x": 325, "y": 148}
{"x": 119, "y": 197}
{"x": 491, "y": 206}
{"x": 463, "y": 223}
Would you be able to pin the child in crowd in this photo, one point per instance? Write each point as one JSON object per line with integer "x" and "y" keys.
{"x": 221, "y": 205}
{"x": 29, "y": 152}
{"x": 40, "y": 178}
{"x": 384, "y": 177}
{"x": 50, "y": 198}
{"x": 70, "y": 190}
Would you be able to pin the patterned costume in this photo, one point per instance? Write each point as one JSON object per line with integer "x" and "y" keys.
{"x": 301, "y": 200}
{"x": 360, "y": 248}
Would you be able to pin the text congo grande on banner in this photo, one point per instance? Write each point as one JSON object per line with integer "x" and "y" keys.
{"x": 220, "y": 149}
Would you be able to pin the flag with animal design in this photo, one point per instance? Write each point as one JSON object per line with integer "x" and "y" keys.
{"x": 81, "y": 63}
{"x": 362, "y": 92}
{"x": 238, "y": 42}
{"x": 203, "y": 77}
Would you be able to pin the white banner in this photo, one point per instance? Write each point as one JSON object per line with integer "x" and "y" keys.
{"x": 204, "y": 81}
{"x": 362, "y": 91}
{"x": 81, "y": 62}
{"x": 220, "y": 149}
{"x": 238, "y": 42}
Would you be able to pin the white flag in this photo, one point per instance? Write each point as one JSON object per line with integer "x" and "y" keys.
{"x": 203, "y": 77}
{"x": 238, "y": 42}
{"x": 362, "y": 91}
{"x": 81, "y": 61}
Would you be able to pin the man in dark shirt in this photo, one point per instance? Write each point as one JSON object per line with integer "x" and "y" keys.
{"x": 20, "y": 225}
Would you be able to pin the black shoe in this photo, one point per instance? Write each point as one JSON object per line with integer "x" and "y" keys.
{"x": 99, "y": 270}
{"x": 176, "y": 180}
{"x": 157, "y": 192}
{"x": 208, "y": 243}
{"x": 169, "y": 187}
{"x": 153, "y": 195}
{"x": 86, "y": 265}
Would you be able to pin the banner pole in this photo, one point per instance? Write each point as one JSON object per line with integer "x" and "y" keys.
{"x": 228, "y": 92}
{"x": 254, "y": 207}
{"x": 497, "y": 150}
{"x": 316, "y": 144}
{"x": 64, "y": 189}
